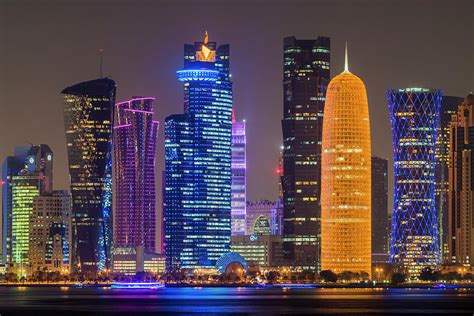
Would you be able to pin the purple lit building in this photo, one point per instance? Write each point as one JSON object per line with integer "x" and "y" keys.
{"x": 134, "y": 142}
{"x": 238, "y": 188}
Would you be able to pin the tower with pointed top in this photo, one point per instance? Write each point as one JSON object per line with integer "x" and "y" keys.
{"x": 346, "y": 176}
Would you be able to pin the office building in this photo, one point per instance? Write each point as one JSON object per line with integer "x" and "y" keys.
{"x": 134, "y": 140}
{"x": 461, "y": 186}
{"x": 305, "y": 78}
{"x": 87, "y": 119}
{"x": 130, "y": 261}
{"x": 198, "y": 161}
{"x": 49, "y": 233}
{"x": 239, "y": 176}
{"x": 264, "y": 218}
{"x": 259, "y": 250}
{"x": 379, "y": 205}
{"x": 449, "y": 106}
{"x": 346, "y": 177}
{"x": 414, "y": 115}
{"x": 12, "y": 165}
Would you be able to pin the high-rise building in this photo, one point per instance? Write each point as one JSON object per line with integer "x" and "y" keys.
{"x": 379, "y": 205}
{"x": 264, "y": 218}
{"x": 26, "y": 187}
{"x": 305, "y": 78}
{"x": 12, "y": 165}
{"x": 449, "y": 106}
{"x": 87, "y": 118}
{"x": 239, "y": 169}
{"x": 198, "y": 161}
{"x": 49, "y": 232}
{"x": 33, "y": 180}
{"x": 461, "y": 185}
{"x": 134, "y": 141}
{"x": 346, "y": 177}
{"x": 414, "y": 114}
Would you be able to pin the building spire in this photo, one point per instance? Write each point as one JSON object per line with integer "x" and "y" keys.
{"x": 206, "y": 38}
{"x": 101, "y": 51}
{"x": 346, "y": 63}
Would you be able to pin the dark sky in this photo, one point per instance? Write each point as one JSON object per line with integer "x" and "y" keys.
{"x": 48, "y": 45}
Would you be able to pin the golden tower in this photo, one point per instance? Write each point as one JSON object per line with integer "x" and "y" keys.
{"x": 346, "y": 177}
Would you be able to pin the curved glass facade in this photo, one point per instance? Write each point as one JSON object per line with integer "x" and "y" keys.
{"x": 134, "y": 140}
{"x": 414, "y": 115}
{"x": 346, "y": 177}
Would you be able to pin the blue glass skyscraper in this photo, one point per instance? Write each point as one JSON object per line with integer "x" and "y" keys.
{"x": 414, "y": 115}
{"x": 198, "y": 161}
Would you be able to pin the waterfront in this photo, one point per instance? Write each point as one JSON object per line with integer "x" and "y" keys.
{"x": 103, "y": 300}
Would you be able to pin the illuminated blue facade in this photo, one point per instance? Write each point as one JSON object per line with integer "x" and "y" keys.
{"x": 198, "y": 161}
{"x": 414, "y": 115}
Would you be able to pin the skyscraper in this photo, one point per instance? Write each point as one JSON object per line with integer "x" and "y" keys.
{"x": 414, "y": 114}
{"x": 461, "y": 185}
{"x": 12, "y": 165}
{"x": 87, "y": 118}
{"x": 239, "y": 169}
{"x": 379, "y": 205}
{"x": 449, "y": 106}
{"x": 346, "y": 177}
{"x": 33, "y": 180}
{"x": 198, "y": 161}
{"x": 134, "y": 140}
{"x": 305, "y": 79}
{"x": 26, "y": 187}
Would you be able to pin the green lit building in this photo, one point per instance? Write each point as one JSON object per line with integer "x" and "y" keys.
{"x": 25, "y": 189}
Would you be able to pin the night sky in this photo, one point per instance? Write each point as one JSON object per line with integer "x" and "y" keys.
{"x": 46, "y": 46}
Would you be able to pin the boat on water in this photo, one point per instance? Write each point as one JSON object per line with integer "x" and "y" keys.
{"x": 146, "y": 286}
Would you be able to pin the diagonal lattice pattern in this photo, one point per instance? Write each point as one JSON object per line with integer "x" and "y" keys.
{"x": 414, "y": 114}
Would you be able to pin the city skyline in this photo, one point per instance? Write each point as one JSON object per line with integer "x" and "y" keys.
{"x": 158, "y": 61}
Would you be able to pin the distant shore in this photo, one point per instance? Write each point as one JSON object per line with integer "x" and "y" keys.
{"x": 247, "y": 285}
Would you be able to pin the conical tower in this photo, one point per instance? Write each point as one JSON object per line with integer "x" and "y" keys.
{"x": 346, "y": 176}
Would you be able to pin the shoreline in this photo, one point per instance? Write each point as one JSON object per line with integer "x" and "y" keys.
{"x": 246, "y": 285}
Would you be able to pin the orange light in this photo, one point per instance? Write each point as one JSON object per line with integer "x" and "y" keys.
{"x": 346, "y": 177}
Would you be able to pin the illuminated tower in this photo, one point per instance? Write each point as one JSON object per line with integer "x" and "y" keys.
{"x": 134, "y": 140}
{"x": 26, "y": 187}
{"x": 449, "y": 106}
{"x": 379, "y": 205}
{"x": 414, "y": 114}
{"x": 305, "y": 79}
{"x": 346, "y": 177}
{"x": 238, "y": 199}
{"x": 198, "y": 161}
{"x": 461, "y": 185}
{"x": 87, "y": 119}
{"x": 12, "y": 165}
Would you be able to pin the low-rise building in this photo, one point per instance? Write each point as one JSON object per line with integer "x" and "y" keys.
{"x": 129, "y": 261}
{"x": 259, "y": 250}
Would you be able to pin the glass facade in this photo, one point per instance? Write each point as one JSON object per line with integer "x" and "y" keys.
{"x": 25, "y": 188}
{"x": 346, "y": 177}
{"x": 414, "y": 115}
{"x": 198, "y": 161}
{"x": 379, "y": 205}
{"x": 461, "y": 185}
{"x": 449, "y": 106}
{"x": 239, "y": 169}
{"x": 134, "y": 141}
{"x": 12, "y": 165}
{"x": 305, "y": 78}
{"x": 88, "y": 110}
